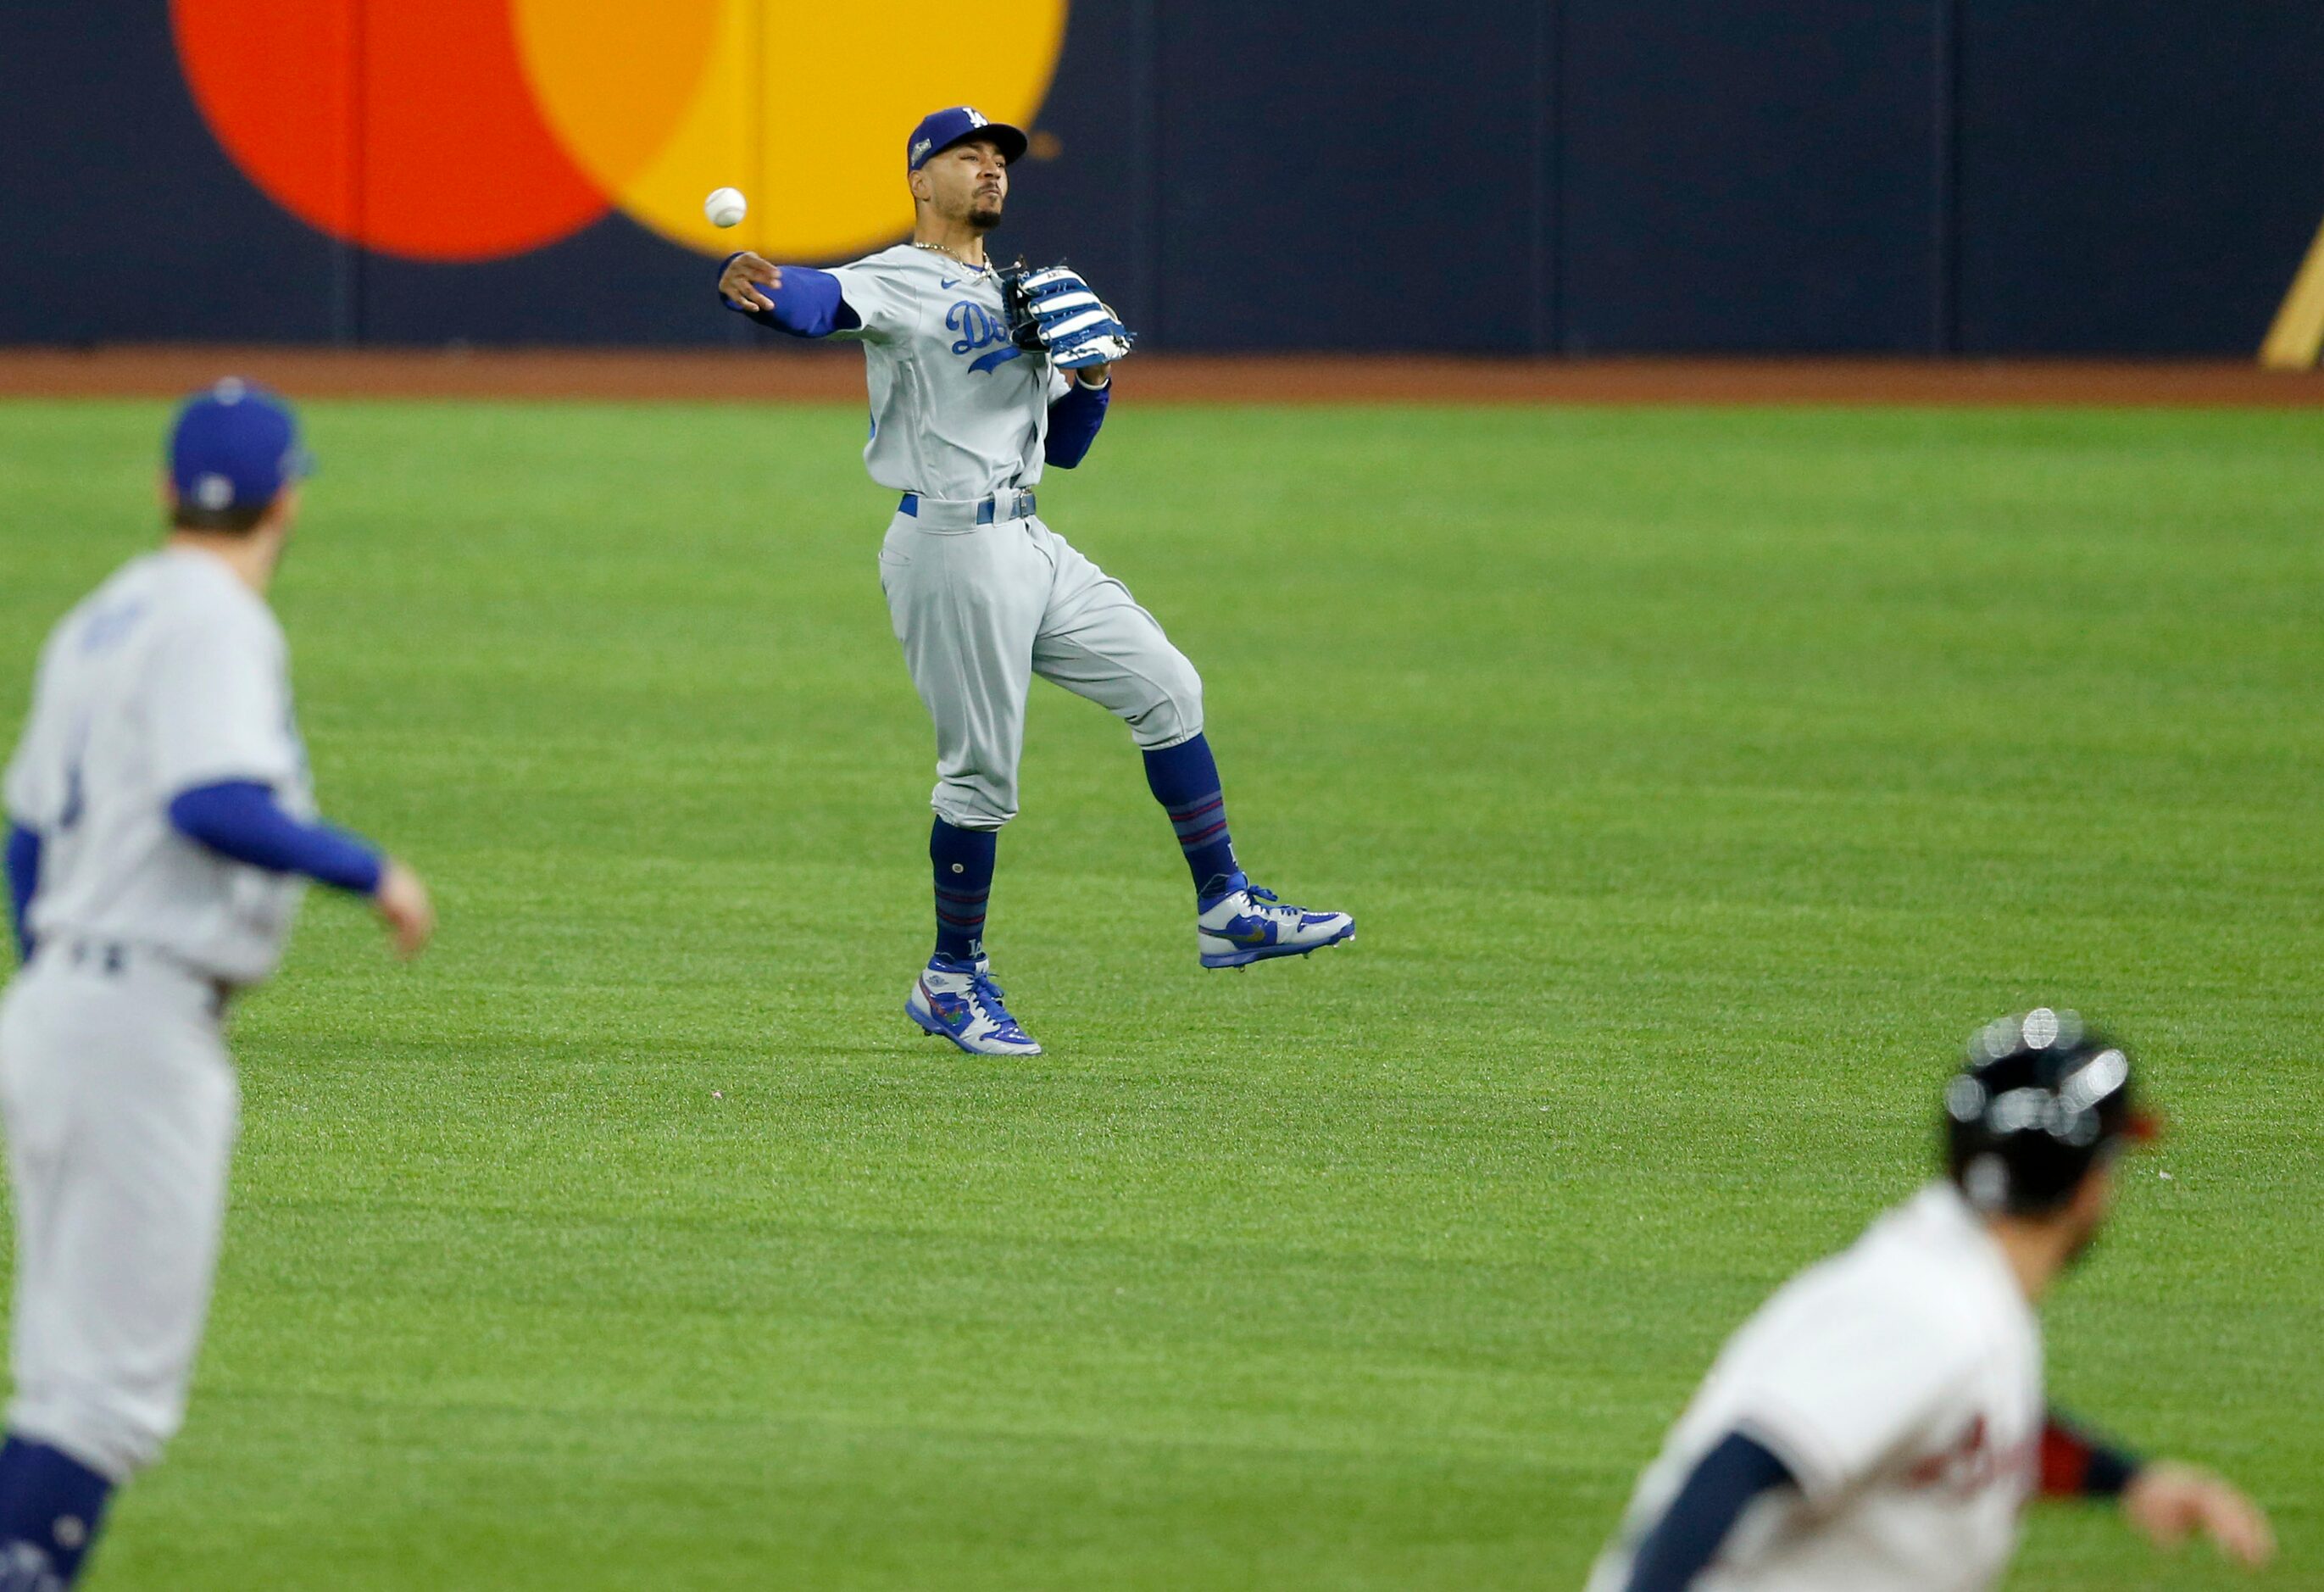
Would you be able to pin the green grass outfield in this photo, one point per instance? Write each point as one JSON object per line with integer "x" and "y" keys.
{"x": 1699, "y": 779}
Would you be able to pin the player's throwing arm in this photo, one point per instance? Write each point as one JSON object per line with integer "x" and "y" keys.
{"x": 161, "y": 828}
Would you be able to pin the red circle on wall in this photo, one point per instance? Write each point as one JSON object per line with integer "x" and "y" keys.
{"x": 453, "y": 161}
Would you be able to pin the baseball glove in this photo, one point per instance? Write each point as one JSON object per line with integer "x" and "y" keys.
{"x": 1052, "y": 310}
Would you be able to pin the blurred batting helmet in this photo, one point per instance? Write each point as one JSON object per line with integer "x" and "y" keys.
{"x": 2040, "y": 1100}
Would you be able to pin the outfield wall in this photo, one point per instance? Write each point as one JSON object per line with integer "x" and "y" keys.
{"x": 1983, "y": 177}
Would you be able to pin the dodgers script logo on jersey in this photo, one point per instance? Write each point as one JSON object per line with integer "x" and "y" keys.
{"x": 108, "y": 625}
{"x": 979, "y": 327}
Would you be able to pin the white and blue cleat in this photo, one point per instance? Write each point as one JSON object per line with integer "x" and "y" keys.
{"x": 1244, "y": 924}
{"x": 957, "y": 1000}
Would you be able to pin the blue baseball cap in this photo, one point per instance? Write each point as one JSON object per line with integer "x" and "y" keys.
{"x": 940, "y": 130}
{"x": 235, "y": 445}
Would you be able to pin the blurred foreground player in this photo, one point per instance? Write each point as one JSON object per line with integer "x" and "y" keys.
{"x": 161, "y": 832}
{"x": 1880, "y": 1422}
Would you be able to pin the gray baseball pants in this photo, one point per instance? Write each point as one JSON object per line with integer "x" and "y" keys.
{"x": 982, "y": 610}
{"x": 121, "y": 1110}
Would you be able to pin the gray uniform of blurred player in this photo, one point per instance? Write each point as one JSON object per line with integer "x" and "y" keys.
{"x": 162, "y": 701}
{"x": 119, "y": 1097}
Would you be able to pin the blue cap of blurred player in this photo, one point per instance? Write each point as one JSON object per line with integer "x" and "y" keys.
{"x": 236, "y": 446}
{"x": 940, "y": 130}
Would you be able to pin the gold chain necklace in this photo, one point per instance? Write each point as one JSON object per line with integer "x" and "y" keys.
{"x": 937, "y": 249}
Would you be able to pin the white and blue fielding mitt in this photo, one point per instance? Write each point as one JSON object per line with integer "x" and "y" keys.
{"x": 1053, "y": 309}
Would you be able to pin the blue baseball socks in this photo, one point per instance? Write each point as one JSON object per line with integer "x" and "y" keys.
{"x": 50, "y": 1505}
{"x": 962, "y": 860}
{"x": 1184, "y": 779}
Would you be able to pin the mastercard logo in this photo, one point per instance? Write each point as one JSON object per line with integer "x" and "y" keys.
{"x": 462, "y": 130}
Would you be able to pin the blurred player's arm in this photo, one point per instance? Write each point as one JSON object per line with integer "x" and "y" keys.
{"x": 1074, "y": 416}
{"x": 794, "y": 299}
{"x": 32, "y": 806}
{"x": 23, "y": 862}
{"x": 220, "y": 712}
{"x": 1835, "y": 1399}
{"x": 2166, "y": 1502}
{"x": 1729, "y": 1480}
{"x": 244, "y": 820}
{"x": 2076, "y": 1463}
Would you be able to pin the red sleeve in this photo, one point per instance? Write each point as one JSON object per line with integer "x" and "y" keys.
{"x": 2075, "y": 1464}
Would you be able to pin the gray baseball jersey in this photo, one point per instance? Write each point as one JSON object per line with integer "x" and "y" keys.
{"x": 1900, "y": 1381}
{"x": 981, "y": 611}
{"x": 173, "y": 675}
{"x": 958, "y": 410}
{"x": 959, "y": 413}
{"x": 117, "y": 1092}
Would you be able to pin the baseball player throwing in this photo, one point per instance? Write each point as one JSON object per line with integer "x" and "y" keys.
{"x": 973, "y": 392}
{"x": 1879, "y": 1424}
{"x": 160, "y": 828}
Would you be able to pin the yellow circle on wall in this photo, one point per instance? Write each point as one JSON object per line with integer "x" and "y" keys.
{"x": 803, "y": 107}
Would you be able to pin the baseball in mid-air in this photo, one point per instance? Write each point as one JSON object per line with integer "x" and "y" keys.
{"x": 726, "y": 207}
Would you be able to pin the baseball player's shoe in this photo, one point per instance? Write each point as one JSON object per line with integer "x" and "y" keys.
{"x": 959, "y": 1001}
{"x": 1245, "y": 924}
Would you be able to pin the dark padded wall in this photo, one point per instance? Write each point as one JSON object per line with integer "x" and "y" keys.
{"x": 1749, "y": 178}
{"x": 1588, "y": 176}
{"x": 612, "y": 281}
{"x": 1092, "y": 204}
{"x": 2137, "y": 176}
{"x": 1368, "y": 183}
{"x": 120, "y": 218}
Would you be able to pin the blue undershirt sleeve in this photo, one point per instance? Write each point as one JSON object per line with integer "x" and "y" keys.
{"x": 241, "y": 819}
{"x": 807, "y": 304}
{"x": 23, "y": 864}
{"x": 1689, "y": 1535}
{"x": 1074, "y": 420}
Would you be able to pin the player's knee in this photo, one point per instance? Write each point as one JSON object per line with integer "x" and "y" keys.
{"x": 970, "y": 805}
{"x": 1175, "y": 712}
{"x": 137, "y": 1445}
{"x": 110, "y": 1432}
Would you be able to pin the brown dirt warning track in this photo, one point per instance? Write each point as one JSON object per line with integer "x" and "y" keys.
{"x": 788, "y": 376}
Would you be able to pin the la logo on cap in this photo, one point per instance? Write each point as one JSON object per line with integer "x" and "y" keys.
{"x": 213, "y": 491}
